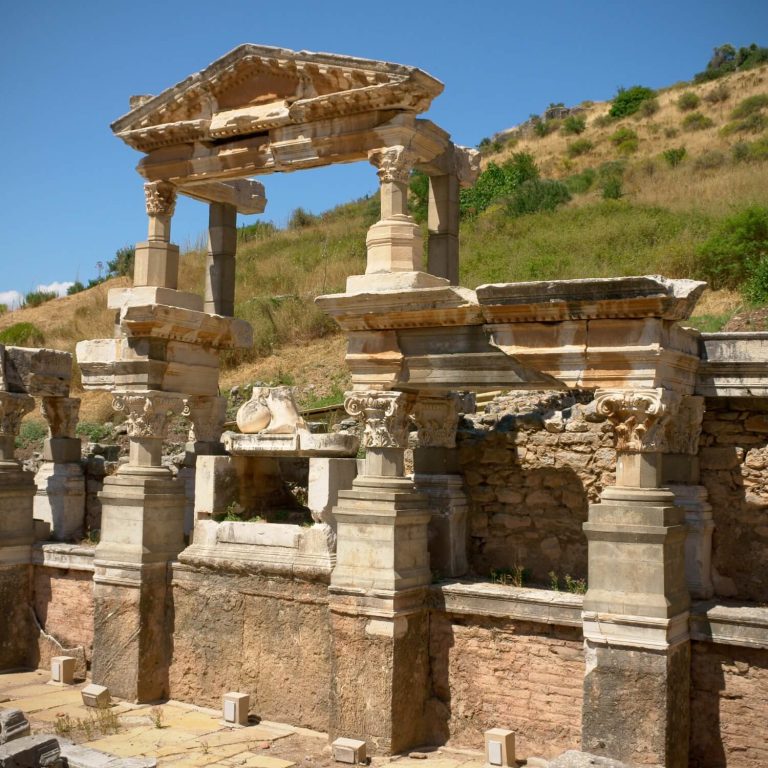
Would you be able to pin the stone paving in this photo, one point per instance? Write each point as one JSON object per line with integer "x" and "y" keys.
{"x": 181, "y": 735}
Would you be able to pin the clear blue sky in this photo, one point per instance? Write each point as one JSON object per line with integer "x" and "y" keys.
{"x": 70, "y": 195}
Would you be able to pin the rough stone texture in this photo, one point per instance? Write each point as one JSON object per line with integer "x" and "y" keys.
{"x": 573, "y": 759}
{"x": 489, "y": 672}
{"x": 63, "y": 604}
{"x": 636, "y": 705}
{"x": 95, "y": 468}
{"x": 261, "y": 635}
{"x": 531, "y": 464}
{"x": 734, "y": 459}
{"x": 40, "y": 751}
{"x": 729, "y": 699}
{"x": 17, "y": 625}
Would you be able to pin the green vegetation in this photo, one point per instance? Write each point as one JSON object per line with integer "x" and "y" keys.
{"x": 628, "y": 101}
{"x": 574, "y": 124}
{"x": 726, "y": 59}
{"x": 579, "y": 183}
{"x": 648, "y": 108}
{"x": 579, "y": 147}
{"x": 76, "y": 287}
{"x": 717, "y": 94}
{"x": 122, "y": 264}
{"x": 537, "y": 195}
{"x": 674, "y": 156}
{"x": 688, "y": 101}
{"x": 94, "y": 431}
{"x": 625, "y": 140}
{"x": 36, "y": 298}
{"x": 712, "y": 158}
{"x": 696, "y": 121}
{"x": 497, "y": 182}
{"x": 22, "y": 335}
{"x": 31, "y": 433}
{"x": 511, "y": 577}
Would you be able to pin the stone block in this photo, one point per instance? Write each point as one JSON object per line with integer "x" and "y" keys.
{"x": 37, "y": 372}
{"x": 62, "y": 450}
{"x": 326, "y": 478}
{"x": 350, "y": 751}
{"x": 63, "y": 669}
{"x": 13, "y": 725}
{"x": 60, "y": 498}
{"x": 96, "y": 695}
{"x": 78, "y": 756}
{"x": 156, "y": 264}
{"x": 140, "y": 296}
{"x": 216, "y": 485}
{"x": 41, "y": 751}
{"x": 500, "y": 747}
{"x": 235, "y": 708}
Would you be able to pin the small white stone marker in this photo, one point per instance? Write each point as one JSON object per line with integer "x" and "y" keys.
{"x": 236, "y": 708}
{"x": 500, "y": 747}
{"x": 348, "y": 751}
{"x": 63, "y": 670}
{"x": 96, "y": 696}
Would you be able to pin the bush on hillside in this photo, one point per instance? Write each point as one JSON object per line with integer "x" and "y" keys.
{"x": 76, "y": 287}
{"x": 22, "y": 335}
{"x": 543, "y": 128}
{"x": 122, "y": 264}
{"x": 628, "y": 100}
{"x": 36, "y": 298}
{"x": 674, "y": 156}
{"x": 688, "y": 101}
{"x": 717, "y": 94}
{"x": 734, "y": 256}
{"x": 706, "y": 161}
{"x": 625, "y": 140}
{"x": 579, "y": 183}
{"x": 648, "y": 108}
{"x": 612, "y": 188}
{"x": 574, "y": 124}
{"x": 259, "y": 230}
{"x": 301, "y": 219}
{"x": 696, "y": 121}
{"x": 750, "y": 106}
{"x": 727, "y": 59}
{"x": 537, "y": 195}
{"x": 579, "y": 147}
{"x": 755, "y": 123}
{"x": 497, "y": 182}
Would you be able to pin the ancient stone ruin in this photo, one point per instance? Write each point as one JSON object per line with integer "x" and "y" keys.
{"x": 396, "y": 614}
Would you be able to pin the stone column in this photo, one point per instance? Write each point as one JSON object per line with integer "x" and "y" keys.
{"x": 17, "y": 491}
{"x": 443, "y": 225}
{"x": 207, "y": 415}
{"x": 379, "y": 620}
{"x": 60, "y": 498}
{"x": 635, "y": 613}
{"x": 220, "y": 263}
{"x": 156, "y": 262}
{"x": 437, "y": 476}
{"x": 142, "y": 530}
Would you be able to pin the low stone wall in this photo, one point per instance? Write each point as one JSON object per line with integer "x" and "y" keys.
{"x": 531, "y": 465}
{"x": 729, "y": 701}
{"x": 734, "y": 466}
{"x": 262, "y": 635}
{"x": 493, "y": 671}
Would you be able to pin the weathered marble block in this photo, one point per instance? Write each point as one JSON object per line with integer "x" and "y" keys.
{"x": 35, "y": 371}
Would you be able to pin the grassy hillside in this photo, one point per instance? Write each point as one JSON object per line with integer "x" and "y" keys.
{"x": 662, "y": 213}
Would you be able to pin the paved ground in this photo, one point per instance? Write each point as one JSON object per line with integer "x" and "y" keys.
{"x": 181, "y": 735}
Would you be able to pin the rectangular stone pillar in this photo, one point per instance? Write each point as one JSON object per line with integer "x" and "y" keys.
{"x": 443, "y": 225}
{"x": 635, "y": 612}
{"x": 156, "y": 261}
{"x": 220, "y": 263}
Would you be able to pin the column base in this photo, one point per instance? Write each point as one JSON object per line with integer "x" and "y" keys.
{"x": 60, "y": 499}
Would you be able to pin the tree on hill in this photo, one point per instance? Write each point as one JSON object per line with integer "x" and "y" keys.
{"x": 122, "y": 264}
{"x": 726, "y": 58}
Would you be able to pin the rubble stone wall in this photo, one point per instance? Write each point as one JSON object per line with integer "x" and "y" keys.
{"x": 266, "y": 636}
{"x": 729, "y": 699}
{"x": 531, "y": 465}
{"x": 500, "y": 673}
{"x": 734, "y": 469}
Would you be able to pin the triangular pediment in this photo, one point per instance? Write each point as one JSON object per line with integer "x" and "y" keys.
{"x": 255, "y": 88}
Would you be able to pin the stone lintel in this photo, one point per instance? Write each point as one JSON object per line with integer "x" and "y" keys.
{"x": 71, "y": 557}
{"x": 246, "y": 195}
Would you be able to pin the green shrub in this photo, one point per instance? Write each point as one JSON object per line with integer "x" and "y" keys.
{"x": 22, "y": 335}
{"x": 717, "y": 94}
{"x": 36, "y": 298}
{"x": 300, "y": 219}
{"x": 648, "y": 108}
{"x": 697, "y": 122}
{"x": 687, "y": 101}
{"x": 754, "y": 123}
{"x": 497, "y": 182}
{"x": 737, "y": 250}
{"x": 579, "y": 147}
{"x": 94, "y": 431}
{"x": 418, "y": 200}
{"x": 708, "y": 160}
{"x": 122, "y": 264}
{"x": 727, "y": 59}
{"x": 625, "y": 140}
{"x": 579, "y": 183}
{"x": 259, "y": 230}
{"x": 671, "y": 133}
{"x": 750, "y": 106}
{"x": 574, "y": 124}
{"x": 537, "y": 195}
{"x": 76, "y": 287}
{"x": 612, "y": 188}
{"x": 674, "y": 156}
{"x": 31, "y": 432}
{"x": 758, "y": 150}
{"x": 628, "y": 100}
{"x": 740, "y": 152}
{"x": 543, "y": 128}
{"x": 602, "y": 121}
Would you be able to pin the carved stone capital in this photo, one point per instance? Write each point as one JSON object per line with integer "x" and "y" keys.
{"x": 61, "y": 415}
{"x": 385, "y": 416}
{"x": 681, "y": 431}
{"x": 436, "y": 419}
{"x": 147, "y": 413}
{"x": 13, "y": 408}
{"x": 637, "y": 416}
{"x": 160, "y": 198}
{"x": 207, "y": 415}
{"x": 394, "y": 163}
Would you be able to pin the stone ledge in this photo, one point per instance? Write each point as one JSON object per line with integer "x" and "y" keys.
{"x": 542, "y": 606}
{"x": 730, "y": 623}
{"x": 73, "y": 557}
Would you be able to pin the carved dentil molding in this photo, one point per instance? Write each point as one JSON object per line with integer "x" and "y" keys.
{"x": 207, "y": 415}
{"x": 385, "y": 416}
{"x": 394, "y": 163}
{"x": 160, "y": 198}
{"x": 13, "y": 408}
{"x": 147, "y": 414}
{"x": 637, "y": 416}
{"x": 61, "y": 414}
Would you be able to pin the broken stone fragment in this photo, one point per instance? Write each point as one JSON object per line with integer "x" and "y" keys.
{"x": 37, "y": 372}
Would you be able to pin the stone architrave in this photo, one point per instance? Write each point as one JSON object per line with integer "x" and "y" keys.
{"x": 635, "y": 612}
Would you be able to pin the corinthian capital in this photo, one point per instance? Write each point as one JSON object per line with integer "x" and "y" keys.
{"x": 160, "y": 198}
{"x": 61, "y": 415}
{"x": 436, "y": 419}
{"x": 207, "y": 415}
{"x": 13, "y": 408}
{"x": 147, "y": 413}
{"x": 393, "y": 163}
{"x": 637, "y": 416}
{"x": 385, "y": 415}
